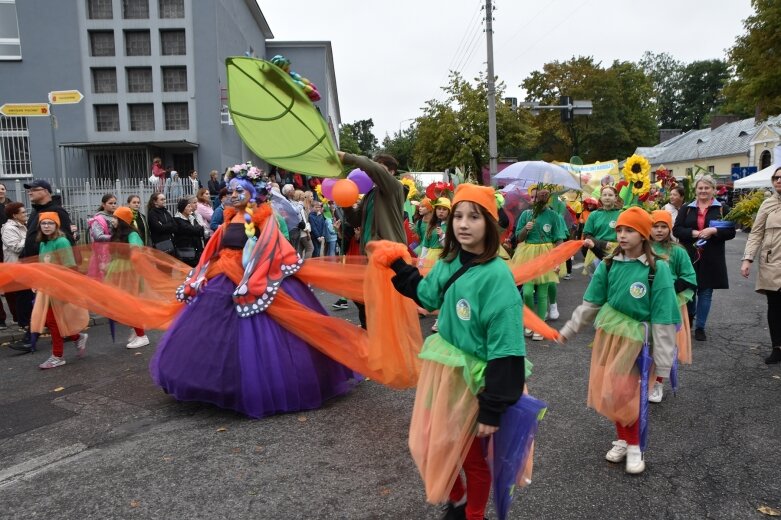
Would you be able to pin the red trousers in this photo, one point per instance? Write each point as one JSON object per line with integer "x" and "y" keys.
{"x": 57, "y": 340}
{"x": 478, "y": 483}
{"x": 139, "y": 332}
{"x": 630, "y": 434}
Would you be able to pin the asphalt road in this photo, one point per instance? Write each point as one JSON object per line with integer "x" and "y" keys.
{"x": 96, "y": 439}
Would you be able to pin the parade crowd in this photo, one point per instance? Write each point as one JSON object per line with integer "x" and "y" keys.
{"x": 251, "y": 242}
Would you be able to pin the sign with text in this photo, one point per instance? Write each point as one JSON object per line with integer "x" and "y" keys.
{"x": 25, "y": 110}
{"x": 65, "y": 97}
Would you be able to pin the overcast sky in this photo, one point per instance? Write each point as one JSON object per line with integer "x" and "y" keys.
{"x": 392, "y": 56}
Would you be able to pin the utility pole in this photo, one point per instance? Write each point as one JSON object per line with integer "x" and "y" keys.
{"x": 489, "y": 38}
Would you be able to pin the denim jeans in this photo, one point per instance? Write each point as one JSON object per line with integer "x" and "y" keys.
{"x": 699, "y": 306}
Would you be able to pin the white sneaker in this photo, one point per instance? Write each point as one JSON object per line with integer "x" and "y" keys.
{"x": 140, "y": 341}
{"x": 81, "y": 345}
{"x": 52, "y": 362}
{"x": 553, "y": 311}
{"x": 617, "y": 452}
{"x": 435, "y": 326}
{"x": 634, "y": 460}
{"x": 656, "y": 393}
{"x": 537, "y": 337}
{"x": 567, "y": 276}
{"x": 528, "y": 333}
{"x": 132, "y": 336}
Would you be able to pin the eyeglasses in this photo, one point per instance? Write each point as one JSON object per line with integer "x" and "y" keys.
{"x": 775, "y": 178}
{"x": 36, "y": 189}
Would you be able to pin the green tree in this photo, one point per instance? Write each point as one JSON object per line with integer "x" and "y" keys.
{"x": 347, "y": 142}
{"x": 702, "y": 83}
{"x": 756, "y": 59}
{"x": 361, "y": 132}
{"x": 454, "y": 132}
{"x": 624, "y": 115}
{"x": 401, "y": 146}
{"x": 665, "y": 74}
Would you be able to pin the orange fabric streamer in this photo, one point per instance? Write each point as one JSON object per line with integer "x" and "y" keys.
{"x": 388, "y": 352}
{"x": 545, "y": 263}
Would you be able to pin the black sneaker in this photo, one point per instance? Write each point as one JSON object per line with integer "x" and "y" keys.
{"x": 699, "y": 335}
{"x": 3, "y": 326}
{"x": 340, "y": 305}
{"x": 453, "y": 512}
{"x": 774, "y": 357}
{"x": 21, "y": 347}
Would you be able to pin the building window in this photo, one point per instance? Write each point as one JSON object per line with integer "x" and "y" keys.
{"x": 99, "y": 10}
{"x": 711, "y": 169}
{"x": 172, "y": 43}
{"x": 104, "y": 80}
{"x": 137, "y": 43}
{"x": 139, "y": 79}
{"x": 735, "y": 165}
{"x": 689, "y": 171}
{"x": 142, "y": 116}
{"x": 101, "y": 43}
{"x": 14, "y": 147}
{"x": 174, "y": 79}
{"x": 107, "y": 118}
{"x": 171, "y": 8}
{"x": 176, "y": 116}
{"x": 764, "y": 159}
{"x": 10, "y": 45}
{"x": 135, "y": 9}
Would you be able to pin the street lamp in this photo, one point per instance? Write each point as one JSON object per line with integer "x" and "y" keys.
{"x": 404, "y": 121}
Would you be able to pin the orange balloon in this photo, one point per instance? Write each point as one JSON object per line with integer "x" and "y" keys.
{"x": 345, "y": 193}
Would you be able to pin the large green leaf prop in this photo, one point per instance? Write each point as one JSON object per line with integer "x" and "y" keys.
{"x": 277, "y": 121}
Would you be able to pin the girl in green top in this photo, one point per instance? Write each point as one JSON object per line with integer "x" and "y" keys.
{"x": 120, "y": 271}
{"x": 60, "y": 318}
{"x": 435, "y": 233}
{"x": 684, "y": 282}
{"x": 631, "y": 288}
{"x": 600, "y": 229}
{"x": 474, "y": 368}
{"x": 538, "y": 232}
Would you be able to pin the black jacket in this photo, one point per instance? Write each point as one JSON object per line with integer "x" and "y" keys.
{"x": 161, "y": 225}
{"x": 710, "y": 262}
{"x": 188, "y": 234}
{"x": 30, "y": 244}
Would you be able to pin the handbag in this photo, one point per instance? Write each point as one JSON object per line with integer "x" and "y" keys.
{"x": 166, "y": 246}
{"x": 185, "y": 254}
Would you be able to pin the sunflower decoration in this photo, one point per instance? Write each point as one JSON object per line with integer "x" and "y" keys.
{"x": 319, "y": 191}
{"x": 637, "y": 171}
{"x": 413, "y": 189}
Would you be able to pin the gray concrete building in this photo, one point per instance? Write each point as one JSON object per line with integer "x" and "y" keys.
{"x": 152, "y": 74}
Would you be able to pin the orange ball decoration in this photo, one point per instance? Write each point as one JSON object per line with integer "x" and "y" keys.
{"x": 345, "y": 193}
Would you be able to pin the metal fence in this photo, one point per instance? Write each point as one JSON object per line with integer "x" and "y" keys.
{"x": 81, "y": 197}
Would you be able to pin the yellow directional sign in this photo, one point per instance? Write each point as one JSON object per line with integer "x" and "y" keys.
{"x": 65, "y": 97}
{"x": 25, "y": 109}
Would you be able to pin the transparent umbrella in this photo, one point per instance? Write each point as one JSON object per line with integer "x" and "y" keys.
{"x": 526, "y": 173}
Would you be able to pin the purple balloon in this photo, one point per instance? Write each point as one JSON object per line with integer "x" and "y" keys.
{"x": 362, "y": 179}
{"x": 328, "y": 188}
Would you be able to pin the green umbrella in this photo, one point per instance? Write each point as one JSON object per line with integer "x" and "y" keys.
{"x": 277, "y": 121}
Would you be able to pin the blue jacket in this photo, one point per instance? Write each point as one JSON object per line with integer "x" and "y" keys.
{"x": 217, "y": 218}
{"x": 317, "y": 222}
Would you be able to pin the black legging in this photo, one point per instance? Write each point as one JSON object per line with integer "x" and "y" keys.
{"x": 774, "y": 316}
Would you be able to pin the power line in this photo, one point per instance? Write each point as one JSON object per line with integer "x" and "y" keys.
{"x": 538, "y": 40}
{"x": 465, "y": 37}
{"x": 545, "y": 6}
{"x": 469, "y": 51}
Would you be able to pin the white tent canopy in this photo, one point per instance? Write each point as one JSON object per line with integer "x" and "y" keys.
{"x": 761, "y": 179}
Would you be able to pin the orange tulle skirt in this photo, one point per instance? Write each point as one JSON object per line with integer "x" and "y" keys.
{"x": 684, "y": 338}
{"x": 614, "y": 379}
{"x": 443, "y": 425}
{"x": 70, "y": 318}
